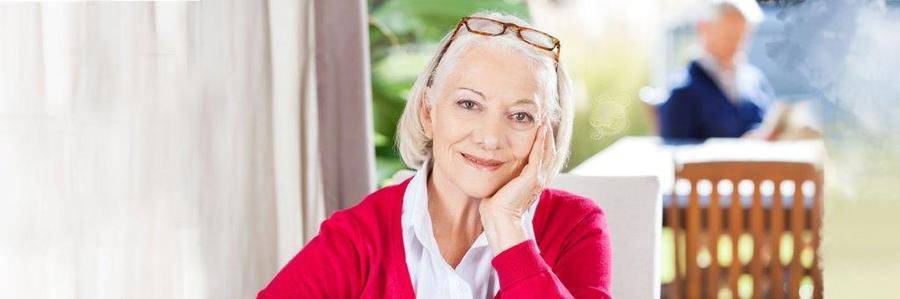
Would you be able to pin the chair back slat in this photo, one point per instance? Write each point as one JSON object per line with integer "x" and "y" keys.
{"x": 714, "y": 229}
{"x": 736, "y": 227}
{"x": 756, "y": 229}
{"x": 798, "y": 219}
{"x": 673, "y": 221}
{"x": 776, "y": 224}
{"x": 692, "y": 248}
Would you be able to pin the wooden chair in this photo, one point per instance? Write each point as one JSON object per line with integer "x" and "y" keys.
{"x": 701, "y": 224}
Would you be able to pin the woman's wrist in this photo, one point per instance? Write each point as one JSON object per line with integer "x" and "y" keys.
{"x": 503, "y": 231}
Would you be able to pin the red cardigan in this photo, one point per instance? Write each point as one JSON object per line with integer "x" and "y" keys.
{"x": 359, "y": 253}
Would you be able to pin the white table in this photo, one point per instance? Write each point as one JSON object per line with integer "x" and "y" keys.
{"x": 643, "y": 155}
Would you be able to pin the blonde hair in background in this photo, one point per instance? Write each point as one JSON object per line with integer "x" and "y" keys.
{"x": 415, "y": 146}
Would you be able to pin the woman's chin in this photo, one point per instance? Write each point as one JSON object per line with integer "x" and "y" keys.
{"x": 479, "y": 187}
{"x": 483, "y": 192}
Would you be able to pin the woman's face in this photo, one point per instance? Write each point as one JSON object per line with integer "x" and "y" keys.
{"x": 484, "y": 120}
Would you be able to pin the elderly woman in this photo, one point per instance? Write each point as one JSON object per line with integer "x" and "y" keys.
{"x": 487, "y": 125}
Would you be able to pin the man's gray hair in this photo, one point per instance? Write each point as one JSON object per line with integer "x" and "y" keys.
{"x": 748, "y": 9}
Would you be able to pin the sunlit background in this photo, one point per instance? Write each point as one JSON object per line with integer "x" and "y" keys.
{"x": 189, "y": 149}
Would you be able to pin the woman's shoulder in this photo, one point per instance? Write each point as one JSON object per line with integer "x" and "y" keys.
{"x": 371, "y": 213}
{"x": 564, "y": 202}
{"x": 386, "y": 199}
{"x": 560, "y": 212}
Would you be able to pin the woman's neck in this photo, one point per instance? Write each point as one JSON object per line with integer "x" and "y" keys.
{"x": 452, "y": 210}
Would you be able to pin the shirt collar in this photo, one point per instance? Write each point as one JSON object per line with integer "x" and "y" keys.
{"x": 415, "y": 207}
{"x": 728, "y": 80}
{"x": 417, "y": 220}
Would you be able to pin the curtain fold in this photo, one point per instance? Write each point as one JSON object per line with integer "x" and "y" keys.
{"x": 344, "y": 95}
{"x": 300, "y": 201}
{"x": 155, "y": 149}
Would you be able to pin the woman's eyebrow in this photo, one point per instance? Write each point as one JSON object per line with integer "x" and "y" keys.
{"x": 475, "y": 91}
{"x": 523, "y": 101}
{"x": 526, "y": 102}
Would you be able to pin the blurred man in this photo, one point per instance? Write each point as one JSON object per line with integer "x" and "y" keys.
{"x": 722, "y": 96}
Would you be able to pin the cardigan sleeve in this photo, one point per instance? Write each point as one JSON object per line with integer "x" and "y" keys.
{"x": 329, "y": 266}
{"x": 581, "y": 271}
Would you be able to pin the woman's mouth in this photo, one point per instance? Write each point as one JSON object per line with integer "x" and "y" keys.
{"x": 482, "y": 163}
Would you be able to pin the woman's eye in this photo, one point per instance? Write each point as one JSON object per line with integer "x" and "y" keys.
{"x": 522, "y": 117}
{"x": 467, "y": 104}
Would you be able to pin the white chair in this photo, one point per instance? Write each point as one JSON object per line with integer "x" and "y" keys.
{"x": 633, "y": 208}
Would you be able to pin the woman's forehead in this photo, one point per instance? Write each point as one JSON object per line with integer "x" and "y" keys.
{"x": 497, "y": 71}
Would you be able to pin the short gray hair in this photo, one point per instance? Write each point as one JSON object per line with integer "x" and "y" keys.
{"x": 415, "y": 145}
{"x": 748, "y": 9}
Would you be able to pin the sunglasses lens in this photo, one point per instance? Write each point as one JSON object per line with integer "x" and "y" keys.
{"x": 537, "y": 38}
{"x": 484, "y": 26}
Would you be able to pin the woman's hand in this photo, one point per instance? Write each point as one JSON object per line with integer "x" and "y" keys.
{"x": 501, "y": 214}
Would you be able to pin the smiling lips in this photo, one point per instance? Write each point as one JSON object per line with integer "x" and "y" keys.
{"x": 481, "y": 163}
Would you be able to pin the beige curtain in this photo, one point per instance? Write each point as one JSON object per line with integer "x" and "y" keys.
{"x": 344, "y": 98}
{"x": 155, "y": 149}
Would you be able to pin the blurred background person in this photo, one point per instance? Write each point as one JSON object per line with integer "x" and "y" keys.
{"x": 721, "y": 95}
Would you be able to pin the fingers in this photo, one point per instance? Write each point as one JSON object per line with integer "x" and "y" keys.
{"x": 541, "y": 159}
{"x": 537, "y": 153}
{"x": 549, "y": 154}
{"x": 550, "y": 150}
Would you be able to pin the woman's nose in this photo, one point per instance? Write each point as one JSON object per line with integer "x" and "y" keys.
{"x": 488, "y": 133}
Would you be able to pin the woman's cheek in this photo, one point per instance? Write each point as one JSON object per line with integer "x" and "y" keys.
{"x": 522, "y": 143}
{"x": 452, "y": 128}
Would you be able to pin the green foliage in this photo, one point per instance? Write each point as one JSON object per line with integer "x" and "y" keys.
{"x": 611, "y": 74}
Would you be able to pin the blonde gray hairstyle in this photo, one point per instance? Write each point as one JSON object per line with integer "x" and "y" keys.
{"x": 413, "y": 143}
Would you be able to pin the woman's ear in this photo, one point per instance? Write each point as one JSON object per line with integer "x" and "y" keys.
{"x": 425, "y": 109}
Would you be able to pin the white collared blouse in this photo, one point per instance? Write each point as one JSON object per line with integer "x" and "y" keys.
{"x": 432, "y": 276}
